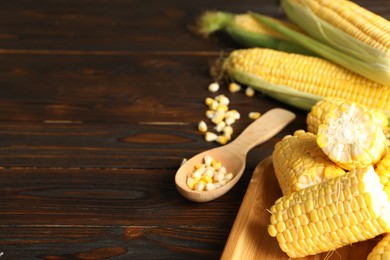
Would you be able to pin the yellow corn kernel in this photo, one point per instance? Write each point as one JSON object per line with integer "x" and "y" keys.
{"x": 222, "y": 99}
{"x": 299, "y": 162}
{"x": 382, "y": 250}
{"x": 191, "y": 182}
{"x": 254, "y": 115}
{"x": 249, "y": 92}
{"x": 213, "y": 105}
{"x": 220, "y": 126}
{"x": 200, "y": 185}
{"x": 234, "y": 87}
{"x": 208, "y": 101}
{"x": 216, "y": 164}
{"x": 221, "y": 139}
{"x": 210, "y": 113}
{"x": 210, "y": 186}
{"x": 350, "y": 136}
{"x": 213, "y": 87}
{"x": 202, "y": 126}
{"x": 210, "y": 137}
{"x": 233, "y": 113}
{"x": 218, "y": 117}
{"x": 322, "y": 234}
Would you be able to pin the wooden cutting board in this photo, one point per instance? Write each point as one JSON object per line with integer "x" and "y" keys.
{"x": 249, "y": 237}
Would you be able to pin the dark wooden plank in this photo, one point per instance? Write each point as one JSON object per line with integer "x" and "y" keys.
{"x": 147, "y": 146}
{"x": 119, "y": 25}
{"x": 100, "y": 197}
{"x": 115, "y": 242}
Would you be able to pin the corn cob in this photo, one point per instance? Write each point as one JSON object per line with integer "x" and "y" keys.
{"x": 302, "y": 81}
{"x": 299, "y": 162}
{"x": 382, "y": 168}
{"x": 350, "y": 137}
{"x": 247, "y": 31}
{"x": 344, "y": 25}
{"x": 318, "y": 112}
{"x": 346, "y": 209}
{"x": 382, "y": 250}
{"x": 376, "y": 68}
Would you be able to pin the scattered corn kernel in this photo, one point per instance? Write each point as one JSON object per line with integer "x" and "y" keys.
{"x": 220, "y": 126}
{"x": 208, "y": 101}
{"x": 249, "y": 92}
{"x": 210, "y": 114}
{"x": 222, "y": 99}
{"x": 234, "y": 87}
{"x": 222, "y": 139}
{"x": 218, "y": 117}
{"x": 230, "y": 120}
{"x": 228, "y": 130}
{"x": 208, "y": 175}
{"x": 210, "y": 137}
{"x": 254, "y": 115}
{"x": 213, "y": 105}
{"x": 213, "y": 87}
{"x": 202, "y": 126}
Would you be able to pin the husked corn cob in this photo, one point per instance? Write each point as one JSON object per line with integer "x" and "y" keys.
{"x": 248, "y": 31}
{"x": 299, "y": 162}
{"x": 302, "y": 81}
{"x": 350, "y": 136}
{"x": 382, "y": 168}
{"x": 382, "y": 250}
{"x": 318, "y": 112}
{"x": 340, "y": 211}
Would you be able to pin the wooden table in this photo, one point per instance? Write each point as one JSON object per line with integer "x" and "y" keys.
{"x": 99, "y": 104}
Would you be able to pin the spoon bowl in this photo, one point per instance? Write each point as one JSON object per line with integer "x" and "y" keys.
{"x": 233, "y": 155}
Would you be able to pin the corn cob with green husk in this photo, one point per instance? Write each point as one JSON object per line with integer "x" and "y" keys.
{"x": 324, "y": 217}
{"x": 359, "y": 52}
{"x": 248, "y": 31}
{"x": 382, "y": 250}
{"x": 302, "y": 81}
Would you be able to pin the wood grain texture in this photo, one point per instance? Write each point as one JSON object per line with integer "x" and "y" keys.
{"x": 99, "y": 103}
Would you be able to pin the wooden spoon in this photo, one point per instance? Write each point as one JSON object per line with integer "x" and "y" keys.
{"x": 233, "y": 155}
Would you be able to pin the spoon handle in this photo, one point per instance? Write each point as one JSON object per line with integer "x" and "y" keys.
{"x": 261, "y": 130}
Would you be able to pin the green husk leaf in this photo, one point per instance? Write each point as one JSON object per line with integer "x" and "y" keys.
{"x": 284, "y": 94}
{"x": 327, "y": 33}
{"x": 369, "y": 70}
{"x": 213, "y": 21}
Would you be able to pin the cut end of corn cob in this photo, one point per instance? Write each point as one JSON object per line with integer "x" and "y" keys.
{"x": 350, "y": 136}
{"x": 318, "y": 112}
{"x": 299, "y": 162}
{"x": 323, "y": 217}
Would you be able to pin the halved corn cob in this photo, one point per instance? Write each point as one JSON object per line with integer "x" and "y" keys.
{"x": 340, "y": 211}
{"x": 382, "y": 250}
{"x": 248, "y": 31}
{"x": 318, "y": 112}
{"x": 302, "y": 81}
{"x": 299, "y": 162}
{"x": 382, "y": 168}
{"x": 350, "y": 136}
